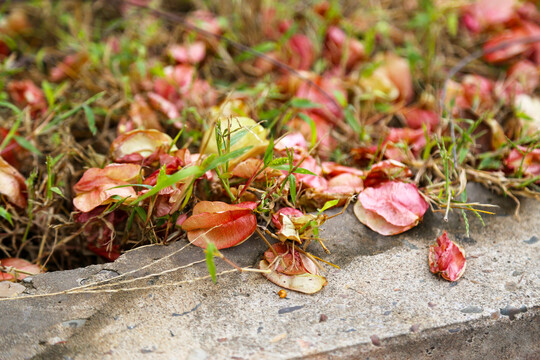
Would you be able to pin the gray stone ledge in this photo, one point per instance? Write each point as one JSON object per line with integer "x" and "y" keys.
{"x": 383, "y": 303}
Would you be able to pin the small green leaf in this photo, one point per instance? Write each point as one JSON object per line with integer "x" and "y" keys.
{"x": 341, "y": 99}
{"x": 262, "y": 48}
{"x": 49, "y": 93}
{"x": 58, "y": 119}
{"x": 351, "y": 120}
{"x": 312, "y": 126}
{"x": 327, "y": 205}
{"x": 237, "y": 135}
{"x": 141, "y": 212}
{"x": 369, "y": 40}
{"x": 210, "y": 251}
{"x": 269, "y": 153}
{"x": 490, "y": 163}
{"x": 452, "y": 22}
{"x": 129, "y": 222}
{"x": 116, "y": 205}
{"x": 292, "y": 186}
{"x": 529, "y": 182}
{"x": 463, "y": 154}
{"x": 217, "y": 161}
{"x": 15, "y": 126}
{"x": 285, "y": 167}
{"x": 6, "y": 215}
{"x": 175, "y": 139}
{"x": 57, "y": 158}
{"x": 278, "y": 162}
{"x": 90, "y": 118}
{"x": 170, "y": 180}
{"x": 130, "y": 185}
{"x": 304, "y": 172}
{"x": 301, "y": 103}
{"x": 12, "y": 107}
{"x": 315, "y": 229}
{"x": 27, "y": 145}
{"x": 56, "y": 190}
{"x": 50, "y": 177}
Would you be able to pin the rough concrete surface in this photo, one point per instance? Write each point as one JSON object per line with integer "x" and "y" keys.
{"x": 383, "y": 304}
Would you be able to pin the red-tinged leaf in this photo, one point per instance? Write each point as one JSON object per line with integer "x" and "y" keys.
{"x": 69, "y": 67}
{"x": 15, "y": 23}
{"x": 305, "y": 283}
{"x": 13, "y": 153}
{"x": 99, "y": 230}
{"x": 521, "y": 78}
{"x": 223, "y": 224}
{"x": 17, "y": 264}
{"x": 390, "y": 208}
{"x": 97, "y": 186}
{"x": 447, "y": 259}
{"x": 392, "y": 80}
{"x": 415, "y": 139}
{"x": 207, "y": 220}
{"x": 365, "y": 155}
{"x": 337, "y": 45}
{"x": 299, "y": 52}
{"x": 289, "y": 261}
{"x": 485, "y": 14}
{"x": 329, "y": 110}
{"x": 143, "y": 116}
{"x": 478, "y": 90}
{"x": 318, "y": 125}
{"x": 202, "y": 94}
{"x": 94, "y": 177}
{"x": 386, "y": 170}
{"x": 249, "y": 167}
{"x": 181, "y": 219}
{"x": 273, "y": 27}
{"x": 284, "y": 221}
{"x": 26, "y": 93}
{"x": 417, "y": 118}
{"x": 345, "y": 184}
{"x": 398, "y": 202}
{"x": 190, "y": 54}
{"x": 455, "y": 97}
{"x": 528, "y": 163}
{"x": 181, "y": 77}
{"x": 137, "y": 145}
{"x": 295, "y": 141}
{"x": 301, "y": 280}
{"x": 219, "y": 206}
{"x": 225, "y": 235}
{"x": 110, "y": 253}
{"x": 286, "y": 211}
{"x": 528, "y": 11}
{"x": 332, "y": 169}
{"x": 316, "y": 181}
{"x": 398, "y": 71}
{"x": 377, "y": 223}
{"x": 163, "y": 105}
{"x": 515, "y": 34}
{"x": 205, "y": 20}
{"x": 12, "y": 184}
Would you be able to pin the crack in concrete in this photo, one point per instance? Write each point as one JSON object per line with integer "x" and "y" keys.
{"x": 189, "y": 311}
{"x": 290, "y": 309}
